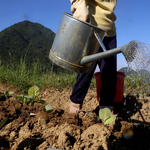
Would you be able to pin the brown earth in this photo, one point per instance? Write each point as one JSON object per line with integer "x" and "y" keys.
{"x": 62, "y": 130}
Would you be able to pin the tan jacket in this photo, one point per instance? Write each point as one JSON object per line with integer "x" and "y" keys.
{"x": 102, "y": 14}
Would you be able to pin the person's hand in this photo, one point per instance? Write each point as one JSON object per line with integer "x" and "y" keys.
{"x": 80, "y": 10}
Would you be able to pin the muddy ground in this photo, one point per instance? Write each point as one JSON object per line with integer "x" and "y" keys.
{"x": 29, "y": 127}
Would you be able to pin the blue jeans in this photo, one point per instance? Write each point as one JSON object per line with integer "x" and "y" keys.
{"x": 108, "y": 69}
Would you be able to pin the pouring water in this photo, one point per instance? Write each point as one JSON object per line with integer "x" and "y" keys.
{"x": 141, "y": 65}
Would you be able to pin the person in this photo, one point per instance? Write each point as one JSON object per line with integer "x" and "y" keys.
{"x": 100, "y": 13}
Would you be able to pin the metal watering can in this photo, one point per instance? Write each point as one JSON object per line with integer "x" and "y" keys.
{"x": 76, "y": 44}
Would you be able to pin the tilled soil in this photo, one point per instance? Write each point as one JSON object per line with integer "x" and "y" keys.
{"x": 29, "y": 127}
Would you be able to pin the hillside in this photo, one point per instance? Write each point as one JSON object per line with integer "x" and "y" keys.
{"x": 127, "y": 71}
{"x": 27, "y": 40}
{"x": 131, "y": 72}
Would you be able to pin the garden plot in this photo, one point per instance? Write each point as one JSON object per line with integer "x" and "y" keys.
{"x": 30, "y": 127}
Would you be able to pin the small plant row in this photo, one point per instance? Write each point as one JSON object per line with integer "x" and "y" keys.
{"x": 32, "y": 97}
{"x": 33, "y": 92}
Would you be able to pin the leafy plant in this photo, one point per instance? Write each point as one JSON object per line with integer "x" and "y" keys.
{"x": 105, "y": 115}
{"x": 24, "y": 99}
{"x": 33, "y": 92}
{"x": 8, "y": 93}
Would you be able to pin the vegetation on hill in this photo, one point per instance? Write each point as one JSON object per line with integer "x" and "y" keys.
{"x": 28, "y": 41}
{"x": 130, "y": 72}
{"x": 127, "y": 71}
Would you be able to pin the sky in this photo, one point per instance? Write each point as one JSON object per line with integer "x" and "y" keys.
{"x": 133, "y": 21}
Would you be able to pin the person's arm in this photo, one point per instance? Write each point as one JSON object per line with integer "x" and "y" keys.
{"x": 80, "y": 9}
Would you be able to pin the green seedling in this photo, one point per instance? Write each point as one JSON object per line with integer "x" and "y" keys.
{"x": 24, "y": 99}
{"x": 8, "y": 93}
{"x": 48, "y": 108}
{"x": 33, "y": 92}
{"x": 105, "y": 115}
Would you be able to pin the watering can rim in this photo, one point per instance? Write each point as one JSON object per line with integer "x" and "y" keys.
{"x": 89, "y": 24}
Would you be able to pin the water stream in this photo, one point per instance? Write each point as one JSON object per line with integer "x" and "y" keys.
{"x": 141, "y": 56}
{"x": 138, "y": 60}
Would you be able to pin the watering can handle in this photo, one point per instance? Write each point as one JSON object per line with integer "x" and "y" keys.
{"x": 100, "y": 41}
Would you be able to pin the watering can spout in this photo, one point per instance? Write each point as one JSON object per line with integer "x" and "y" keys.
{"x": 99, "y": 56}
{"x": 129, "y": 51}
